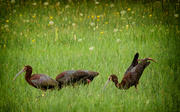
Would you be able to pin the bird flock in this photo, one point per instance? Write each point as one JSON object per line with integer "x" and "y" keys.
{"x": 77, "y": 77}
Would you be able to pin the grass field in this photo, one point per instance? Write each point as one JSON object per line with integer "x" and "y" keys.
{"x": 54, "y": 36}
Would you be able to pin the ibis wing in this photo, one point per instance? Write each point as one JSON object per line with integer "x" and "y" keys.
{"x": 137, "y": 71}
{"x": 79, "y": 74}
{"x": 65, "y": 76}
{"x": 133, "y": 64}
{"x": 44, "y": 81}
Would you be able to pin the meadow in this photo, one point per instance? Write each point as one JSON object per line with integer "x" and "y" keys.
{"x": 103, "y": 36}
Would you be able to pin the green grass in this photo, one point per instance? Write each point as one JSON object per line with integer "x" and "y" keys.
{"x": 149, "y": 28}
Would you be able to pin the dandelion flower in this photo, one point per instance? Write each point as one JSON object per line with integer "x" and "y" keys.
{"x": 91, "y": 48}
{"x": 51, "y": 17}
{"x": 152, "y": 30}
{"x": 67, "y": 6}
{"x": 7, "y": 21}
{"x": 14, "y": 11}
{"x": 118, "y": 40}
{"x": 96, "y": 2}
{"x": 46, "y": 3}
{"x": 6, "y": 26}
{"x": 133, "y": 23}
{"x": 147, "y": 102}
{"x": 112, "y": 5}
{"x": 129, "y": 9}
{"x": 12, "y": 1}
{"x": 73, "y": 24}
{"x": 34, "y": 3}
{"x": 51, "y": 23}
{"x": 101, "y": 32}
{"x": 127, "y": 26}
{"x": 92, "y": 24}
{"x": 74, "y": 37}
{"x": 33, "y": 40}
{"x": 106, "y": 22}
{"x": 42, "y": 94}
{"x": 79, "y": 40}
{"x": 117, "y": 13}
{"x": 81, "y": 14}
{"x": 34, "y": 16}
{"x": 115, "y": 30}
{"x": 123, "y": 12}
{"x": 176, "y": 15}
{"x": 106, "y": 4}
{"x": 150, "y": 15}
{"x": 65, "y": 19}
{"x": 27, "y": 21}
{"x": 58, "y": 3}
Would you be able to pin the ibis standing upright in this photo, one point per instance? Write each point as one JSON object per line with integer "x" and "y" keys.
{"x": 39, "y": 81}
{"x": 132, "y": 74}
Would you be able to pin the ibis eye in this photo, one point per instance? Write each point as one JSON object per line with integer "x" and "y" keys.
{"x": 25, "y": 68}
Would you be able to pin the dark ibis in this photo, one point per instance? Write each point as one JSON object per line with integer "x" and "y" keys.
{"x": 39, "y": 81}
{"x": 132, "y": 74}
{"x": 89, "y": 78}
{"x": 72, "y": 77}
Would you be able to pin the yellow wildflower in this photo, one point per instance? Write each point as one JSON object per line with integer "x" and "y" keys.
{"x": 127, "y": 26}
{"x": 34, "y": 16}
{"x": 7, "y": 21}
{"x": 150, "y": 15}
{"x": 51, "y": 17}
{"x": 97, "y": 19}
{"x": 74, "y": 37}
{"x": 42, "y": 94}
{"x": 129, "y": 9}
{"x": 106, "y": 22}
{"x": 117, "y": 13}
{"x": 98, "y": 16}
{"x": 4, "y": 46}
{"x": 101, "y": 32}
{"x": 106, "y": 4}
{"x": 33, "y": 40}
{"x": 92, "y": 16}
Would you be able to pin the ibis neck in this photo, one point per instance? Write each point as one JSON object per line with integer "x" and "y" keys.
{"x": 28, "y": 76}
{"x": 117, "y": 84}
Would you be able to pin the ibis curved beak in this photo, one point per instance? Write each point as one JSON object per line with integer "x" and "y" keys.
{"x": 19, "y": 74}
{"x": 152, "y": 60}
{"x": 106, "y": 84}
{"x": 147, "y": 59}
